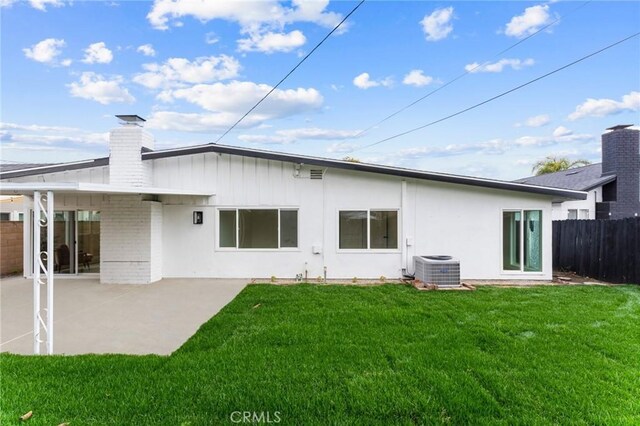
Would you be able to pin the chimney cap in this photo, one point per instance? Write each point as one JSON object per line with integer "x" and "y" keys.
{"x": 131, "y": 118}
{"x": 619, "y": 127}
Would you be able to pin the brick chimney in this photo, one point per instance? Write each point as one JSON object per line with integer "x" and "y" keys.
{"x": 126, "y": 144}
{"x": 621, "y": 157}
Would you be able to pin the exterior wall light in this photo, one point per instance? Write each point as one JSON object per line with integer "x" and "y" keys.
{"x": 197, "y": 218}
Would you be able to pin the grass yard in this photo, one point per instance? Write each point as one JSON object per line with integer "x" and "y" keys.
{"x": 363, "y": 355}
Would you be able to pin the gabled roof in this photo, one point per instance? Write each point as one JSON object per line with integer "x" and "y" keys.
{"x": 583, "y": 178}
{"x": 315, "y": 161}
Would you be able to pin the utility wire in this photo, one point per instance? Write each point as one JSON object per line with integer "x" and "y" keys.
{"x": 469, "y": 71}
{"x": 500, "y": 95}
{"x": 290, "y": 72}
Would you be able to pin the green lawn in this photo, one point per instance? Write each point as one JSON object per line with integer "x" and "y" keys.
{"x": 363, "y": 355}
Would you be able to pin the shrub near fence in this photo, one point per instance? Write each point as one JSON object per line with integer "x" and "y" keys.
{"x": 607, "y": 250}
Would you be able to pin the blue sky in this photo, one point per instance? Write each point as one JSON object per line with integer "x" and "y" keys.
{"x": 193, "y": 68}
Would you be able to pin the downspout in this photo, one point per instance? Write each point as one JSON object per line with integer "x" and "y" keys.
{"x": 403, "y": 213}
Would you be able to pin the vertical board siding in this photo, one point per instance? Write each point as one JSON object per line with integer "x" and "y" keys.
{"x": 607, "y": 250}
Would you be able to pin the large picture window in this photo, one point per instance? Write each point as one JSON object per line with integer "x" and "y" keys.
{"x": 368, "y": 229}
{"x": 522, "y": 240}
{"x": 258, "y": 228}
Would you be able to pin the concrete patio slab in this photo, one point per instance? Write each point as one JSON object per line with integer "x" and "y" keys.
{"x": 90, "y": 317}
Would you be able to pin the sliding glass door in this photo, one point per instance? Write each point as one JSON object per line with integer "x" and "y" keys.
{"x": 76, "y": 241}
{"x": 88, "y": 241}
{"x": 64, "y": 242}
{"x": 522, "y": 240}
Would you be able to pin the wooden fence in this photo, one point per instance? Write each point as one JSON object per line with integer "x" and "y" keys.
{"x": 607, "y": 250}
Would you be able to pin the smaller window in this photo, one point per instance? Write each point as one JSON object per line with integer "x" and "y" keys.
{"x": 228, "y": 228}
{"x": 5, "y": 216}
{"x": 288, "y": 228}
{"x": 583, "y": 214}
{"x": 572, "y": 214}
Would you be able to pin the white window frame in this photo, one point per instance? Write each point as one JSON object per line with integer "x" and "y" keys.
{"x": 368, "y": 249}
{"x": 521, "y": 245}
{"x": 569, "y": 213}
{"x": 236, "y": 248}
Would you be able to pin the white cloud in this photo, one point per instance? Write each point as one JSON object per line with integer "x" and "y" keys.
{"x": 499, "y": 66}
{"x": 535, "y": 121}
{"x": 250, "y": 15}
{"x": 437, "y": 26}
{"x": 561, "y": 131}
{"x": 146, "y": 50}
{"x": 417, "y": 78}
{"x": 45, "y": 51}
{"x": 178, "y": 71}
{"x": 271, "y": 42}
{"x": 226, "y": 103}
{"x": 36, "y": 128}
{"x": 287, "y": 136}
{"x": 36, "y": 4}
{"x": 558, "y": 136}
{"x": 603, "y": 107}
{"x": 363, "y": 81}
{"x": 341, "y": 148}
{"x": 42, "y": 4}
{"x": 97, "y": 53}
{"x": 97, "y": 88}
{"x": 37, "y": 137}
{"x": 239, "y": 96}
{"x": 532, "y": 19}
{"x": 196, "y": 122}
{"x": 493, "y": 147}
{"x": 211, "y": 38}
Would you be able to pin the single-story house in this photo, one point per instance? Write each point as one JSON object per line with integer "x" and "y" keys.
{"x": 223, "y": 211}
{"x": 612, "y": 187}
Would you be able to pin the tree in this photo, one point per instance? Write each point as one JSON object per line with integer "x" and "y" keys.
{"x": 351, "y": 159}
{"x": 553, "y": 164}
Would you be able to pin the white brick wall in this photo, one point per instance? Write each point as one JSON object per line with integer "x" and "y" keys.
{"x": 125, "y": 158}
{"x": 130, "y": 240}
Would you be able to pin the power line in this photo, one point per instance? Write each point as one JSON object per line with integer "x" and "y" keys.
{"x": 290, "y": 72}
{"x": 469, "y": 71}
{"x": 500, "y": 95}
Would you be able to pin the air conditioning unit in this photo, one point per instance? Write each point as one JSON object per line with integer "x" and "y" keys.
{"x": 443, "y": 271}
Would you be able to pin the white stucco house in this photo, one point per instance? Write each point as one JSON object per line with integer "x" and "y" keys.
{"x": 222, "y": 211}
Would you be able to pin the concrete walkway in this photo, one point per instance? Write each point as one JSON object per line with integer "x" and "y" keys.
{"x": 90, "y": 317}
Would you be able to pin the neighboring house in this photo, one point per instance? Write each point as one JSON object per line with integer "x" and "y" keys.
{"x": 613, "y": 186}
{"x": 11, "y": 208}
{"x": 222, "y": 211}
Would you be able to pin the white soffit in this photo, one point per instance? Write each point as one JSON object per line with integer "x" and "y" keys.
{"x": 12, "y": 188}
